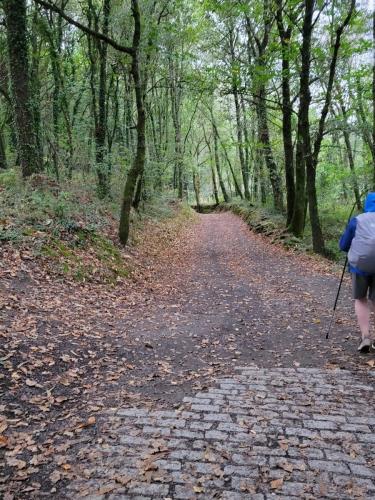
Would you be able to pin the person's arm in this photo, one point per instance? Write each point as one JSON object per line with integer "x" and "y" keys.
{"x": 348, "y": 235}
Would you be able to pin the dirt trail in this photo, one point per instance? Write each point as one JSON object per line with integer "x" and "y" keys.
{"x": 233, "y": 298}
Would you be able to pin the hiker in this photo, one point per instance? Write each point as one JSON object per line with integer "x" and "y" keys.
{"x": 358, "y": 240}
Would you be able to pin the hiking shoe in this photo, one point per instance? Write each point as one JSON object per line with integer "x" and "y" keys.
{"x": 364, "y": 346}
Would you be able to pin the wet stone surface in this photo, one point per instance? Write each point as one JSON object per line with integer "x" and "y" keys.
{"x": 259, "y": 434}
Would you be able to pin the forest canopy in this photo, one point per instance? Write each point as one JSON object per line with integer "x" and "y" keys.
{"x": 263, "y": 103}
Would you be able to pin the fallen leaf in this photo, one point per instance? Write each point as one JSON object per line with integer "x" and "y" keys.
{"x": 286, "y": 466}
{"x": 123, "y": 480}
{"x": 33, "y": 383}
{"x": 55, "y": 476}
{"x": 198, "y": 489}
{"x": 14, "y": 462}
{"x": 277, "y": 483}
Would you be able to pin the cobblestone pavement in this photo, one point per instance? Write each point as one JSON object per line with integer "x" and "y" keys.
{"x": 263, "y": 433}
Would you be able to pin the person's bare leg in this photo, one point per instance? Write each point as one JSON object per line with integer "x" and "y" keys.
{"x": 362, "y": 311}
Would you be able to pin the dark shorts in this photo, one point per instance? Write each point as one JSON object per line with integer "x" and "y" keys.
{"x": 363, "y": 286}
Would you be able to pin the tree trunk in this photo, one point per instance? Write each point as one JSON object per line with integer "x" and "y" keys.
{"x": 285, "y": 35}
{"x": 245, "y": 173}
{"x": 137, "y": 168}
{"x": 349, "y": 150}
{"x": 101, "y": 125}
{"x": 264, "y": 139}
{"x": 175, "y": 89}
{"x": 3, "y": 158}
{"x": 214, "y": 184}
{"x": 298, "y": 219}
{"x": 196, "y": 184}
{"x": 237, "y": 188}
{"x": 138, "y": 193}
{"x": 28, "y": 149}
{"x": 217, "y": 161}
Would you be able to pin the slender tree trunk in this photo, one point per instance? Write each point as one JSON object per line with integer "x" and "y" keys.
{"x": 175, "y": 89}
{"x": 3, "y": 157}
{"x": 245, "y": 173}
{"x": 137, "y": 168}
{"x": 214, "y": 183}
{"x": 217, "y": 161}
{"x": 349, "y": 150}
{"x": 213, "y": 175}
{"x": 246, "y": 139}
{"x": 138, "y": 193}
{"x": 298, "y": 219}
{"x": 264, "y": 139}
{"x": 285, "y": 36}
{"x": 196, "y": 184}
{"x": 101, "y": 125}
{"x": 29, "y": 153}
{"x": 235, "y": 181}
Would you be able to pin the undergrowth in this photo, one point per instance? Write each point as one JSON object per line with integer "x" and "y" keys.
{"x": 70, "y": 229}
{"x": 267, "y": 221}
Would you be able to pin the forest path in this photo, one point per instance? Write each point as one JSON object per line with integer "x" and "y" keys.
{"x": 278, "y": 419}
{"x": 119, "y": 393}
{"x": 228, "y": 297}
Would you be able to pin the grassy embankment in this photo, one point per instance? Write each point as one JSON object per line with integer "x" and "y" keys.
{"x": 267, "y": 221}
{"x": 67, "y": 228}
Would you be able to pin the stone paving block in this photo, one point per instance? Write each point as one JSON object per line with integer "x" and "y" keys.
{"x": 243, "y": 484}
{"x": 308, "y": 452}
{"x": 183, "y": 433}
{"x": 156, "y": 431}
{"x": 355, "y": 428}
{"x": 294, "y": 489}
{"x": 201, "y": 426}
{"x": 217, "y": 417}
{"x": 184, "y": 492}
{"x": 332, "y": 418}
{"x": 360, "y": 470}
{"x": 366, "y": 438}
{"x": 229, "y": 427}
{"x": 168, "y": 465}
{"x": 217, "y": 435}
{"x": 197, "y": 401}
{"x": 132, "y": 412}
{"x": 320, "y": 425}
{"x": 172, "y": 423}
{"x": 232, "y": 495}
{"x": 355, "y": 483}
{"x": 299, "y": 431}
{"x": 248, "y": 459}
{"x": 339, "y": 436}
{"x": 163, "y": 414}
{"x": 344, "y": 457}
{"x": 361, "y": 420}
{"x": 240, "y": 470}
{"x": 328, "y": 466}
{"x": 160, "y": 490}
{"x": 205, "y": 408}
{"x": 186, "y": 455}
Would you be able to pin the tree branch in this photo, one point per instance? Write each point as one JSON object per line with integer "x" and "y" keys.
{"x": 82, "y": 27}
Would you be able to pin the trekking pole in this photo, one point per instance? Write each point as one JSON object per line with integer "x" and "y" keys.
{"x": 337, "y": 298}
{"x": 341, "y": 280}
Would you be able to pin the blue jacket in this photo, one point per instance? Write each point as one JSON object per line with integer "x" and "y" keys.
{"x": 349, "y": 233}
